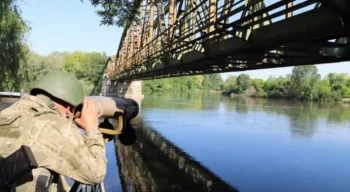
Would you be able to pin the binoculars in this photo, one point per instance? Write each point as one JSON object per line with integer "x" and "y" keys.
{"x": 111, "y": 107}
{"x": 120, "y": 109}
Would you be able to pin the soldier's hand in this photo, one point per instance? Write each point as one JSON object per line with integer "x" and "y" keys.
{"x": 89, "y": 116}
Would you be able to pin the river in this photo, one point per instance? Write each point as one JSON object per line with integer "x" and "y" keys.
{"x": 208, "y": 142}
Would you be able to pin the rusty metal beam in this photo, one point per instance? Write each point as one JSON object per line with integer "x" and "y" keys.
{"x": 289, "y": 14}
{"x": 199, "y": 34}
{"x": 172, "y": 18}
{"x": 212, "y": 16}
{"x": 151, "y": 27}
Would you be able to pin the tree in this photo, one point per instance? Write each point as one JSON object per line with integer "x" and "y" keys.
{"x": 276, "y": 87}
{"x": 230, "y": 84}
{"x": 56, "y": 59}
{"x": 243, "y": 83}
{"x": 304, "y": 81}
{"x": 36, "y": 66}
{"x": 212, "y": 81}
{"x": 116, "y": 12}
{"x": 324, "y": 90}
{"x": 346, "y": 93}
{"x": 338, "y": 84}
{"x": 259, "y": 87}
{"x": 86, "y": 67}
{"x": 174, "y": 84}
{"x": 12, "y": 45}
{"x": 198, "y": 81}
{"x": 337, "y": 81}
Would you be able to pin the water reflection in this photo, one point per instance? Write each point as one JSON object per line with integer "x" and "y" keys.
{"x": 302, "y": 116}
{"x": 153, "y": 163}
{"x": 187, "y": 101}
{"x": 258, "y": 144}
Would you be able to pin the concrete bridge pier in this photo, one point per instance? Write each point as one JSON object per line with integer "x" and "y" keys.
{"x": 127, "y": 89}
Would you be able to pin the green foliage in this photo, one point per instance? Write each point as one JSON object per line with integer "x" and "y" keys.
{"x": 212, "y": 82}
{"x": 338, "y": 82}
{"x": 86, "y": 66}
{"x": 175, "y": 84}
{"x": 259, "y": 87}
{"x": 346, "y": 92}
{"x": 35, "y": 68}
{"x": 277, "y": 87}
{"x": 116, "y": 12}
{"x": 156, "y": 85}
{"x": 230, "y": 85}
{"x": 324, "y": 90}
{"x": 13, "y": 32}
{"x": 304, "y": 82}
{"x": 243, "y": 83}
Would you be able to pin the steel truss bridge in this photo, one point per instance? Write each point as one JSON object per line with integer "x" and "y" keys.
{"x": 190, "y": 37}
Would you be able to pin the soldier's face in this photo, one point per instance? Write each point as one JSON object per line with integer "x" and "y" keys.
{"x": 65, "y": 110}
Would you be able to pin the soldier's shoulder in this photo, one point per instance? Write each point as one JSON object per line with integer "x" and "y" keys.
{"x": 23, "y": 102}
{"x": 30, "y": 100}
{"x": 30, "y": 106}
{"x": 15, "y": 108}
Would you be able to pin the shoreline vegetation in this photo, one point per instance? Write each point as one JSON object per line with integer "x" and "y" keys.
{"x": 303, "y": 84}
{"x": 87, "y": 67}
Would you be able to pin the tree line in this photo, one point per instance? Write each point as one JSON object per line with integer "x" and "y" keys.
{"x": 305, "y": 83}
{"x": 183, "y": 84}
{"x": 13, "y": 48}
{"x": 87, "y": 67}
{"x": 293, "y": 109}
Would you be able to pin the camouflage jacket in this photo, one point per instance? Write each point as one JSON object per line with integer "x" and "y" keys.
{"x": 57, "y": 144}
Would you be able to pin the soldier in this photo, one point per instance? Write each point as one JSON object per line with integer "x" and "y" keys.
{"x": 44, "y": 121}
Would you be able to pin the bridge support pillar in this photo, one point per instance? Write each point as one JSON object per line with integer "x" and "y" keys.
{"x": 128, "y": 89}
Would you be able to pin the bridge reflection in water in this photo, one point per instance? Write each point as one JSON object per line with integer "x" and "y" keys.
{"x": 153, "y": 163}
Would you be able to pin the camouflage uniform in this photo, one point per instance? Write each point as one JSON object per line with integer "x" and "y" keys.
{"x": 57, "y": 144}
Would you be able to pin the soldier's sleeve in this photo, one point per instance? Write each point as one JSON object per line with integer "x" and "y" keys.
{"x": 79, "y": 157}
{"x": 96, "y": 156}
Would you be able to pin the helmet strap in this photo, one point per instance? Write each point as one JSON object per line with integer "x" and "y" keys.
{"x": 47, "y": 101}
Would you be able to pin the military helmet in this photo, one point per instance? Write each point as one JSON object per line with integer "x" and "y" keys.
{"x": 62, "y": 85}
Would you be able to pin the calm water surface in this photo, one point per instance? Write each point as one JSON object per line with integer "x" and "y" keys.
{"x": 206, "y": 142}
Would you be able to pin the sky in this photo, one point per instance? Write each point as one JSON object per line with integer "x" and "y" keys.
{"x": 72, "y": 25}
{"x": 68, "y": 25}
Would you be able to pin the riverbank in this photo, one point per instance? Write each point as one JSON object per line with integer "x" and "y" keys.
{"x": 346, "y": 100}
{"x": 235, "y": 95}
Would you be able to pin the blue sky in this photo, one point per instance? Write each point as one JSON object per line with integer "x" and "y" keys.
{"x": 71, "y": 25}
{"x": 68, "y": 25}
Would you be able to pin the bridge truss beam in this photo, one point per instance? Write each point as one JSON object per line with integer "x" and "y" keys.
{"x": 189, "y": 37}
